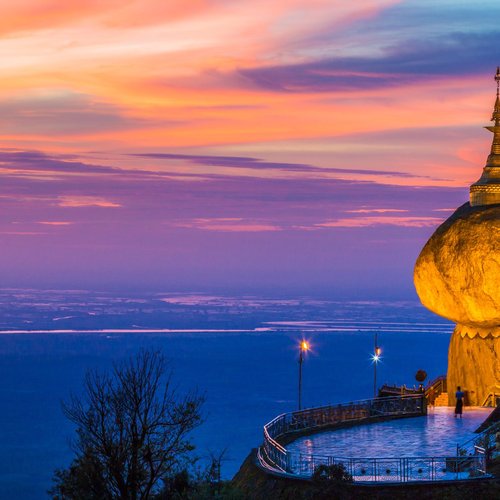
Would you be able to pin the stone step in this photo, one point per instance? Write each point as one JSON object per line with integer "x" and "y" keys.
{"x": 442, "y": 400}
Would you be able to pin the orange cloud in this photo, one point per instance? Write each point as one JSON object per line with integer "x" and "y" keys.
{"x": 27, "y": 15}
{"x": 175, "y": 74}
{"x": 85, "y": 201}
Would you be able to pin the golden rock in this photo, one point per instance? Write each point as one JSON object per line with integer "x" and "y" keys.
{"x": 457, "y": 275}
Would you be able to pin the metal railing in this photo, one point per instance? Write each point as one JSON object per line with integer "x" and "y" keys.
{"x": 492, "y": 399}
{"x": 432, "y": 390}
{"x": 484, "y": 443}
{"x": 395, "y": 469}
{"x": 275, "y": 457}
{"x": 435, "y": 388}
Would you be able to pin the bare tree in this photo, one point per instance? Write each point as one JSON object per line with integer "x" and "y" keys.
{"x": 214, "y": 471}
{"x": 132, "y": 431}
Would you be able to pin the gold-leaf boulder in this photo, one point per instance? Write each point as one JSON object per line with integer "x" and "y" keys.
{"x": 457, "y": 274}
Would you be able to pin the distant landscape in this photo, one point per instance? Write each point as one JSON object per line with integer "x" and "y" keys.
{"x": 54, "y": 310}
{"x": 241, "y": 352}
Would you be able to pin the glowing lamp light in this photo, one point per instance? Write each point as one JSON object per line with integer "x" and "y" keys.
{"x": 377, "y": 351}
{"x": 303, "y": 348}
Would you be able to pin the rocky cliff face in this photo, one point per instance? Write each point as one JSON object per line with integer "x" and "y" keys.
{"x": 457, "y": 275}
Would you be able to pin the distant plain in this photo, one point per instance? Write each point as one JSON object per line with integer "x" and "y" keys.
{"x": 241, "y": 352}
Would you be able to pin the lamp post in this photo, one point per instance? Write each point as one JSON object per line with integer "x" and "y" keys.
{"x": 376, "y": 357}
{"x": 304, "y": 347}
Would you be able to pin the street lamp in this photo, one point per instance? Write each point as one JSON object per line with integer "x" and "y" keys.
{"x": 377, "y": 351}
{"x": 303, "y": 348}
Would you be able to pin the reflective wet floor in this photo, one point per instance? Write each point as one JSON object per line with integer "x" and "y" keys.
{"x": 435, "y": 435}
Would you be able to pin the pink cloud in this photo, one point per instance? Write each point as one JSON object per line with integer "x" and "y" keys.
{"x": 55, "y": 223}
{"x": 228, "y": 224}
{"x": 86, "y": 201}
{"x": 22, "y": 233}
{"x": 374, "y": 210}
{"x": 383, "y": 220}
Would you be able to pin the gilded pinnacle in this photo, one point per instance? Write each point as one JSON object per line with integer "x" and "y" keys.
{"x": 486, "y": 191}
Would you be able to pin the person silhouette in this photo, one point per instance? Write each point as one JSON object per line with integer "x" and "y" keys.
{"x": 459, "y": 395}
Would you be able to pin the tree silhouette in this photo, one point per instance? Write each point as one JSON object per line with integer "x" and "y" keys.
{"x": 132, "y": 431}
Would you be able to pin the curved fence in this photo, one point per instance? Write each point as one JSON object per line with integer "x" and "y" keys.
{"x": 274, "y": 456}
{"x": 485, "y": 443}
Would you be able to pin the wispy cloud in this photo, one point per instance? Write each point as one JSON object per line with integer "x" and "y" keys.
{"x": 86, "y": 201}
{"x": 374, "y": 210}
{"x": 228, "y": 224}
{"x": 237, "y": 142}
{"x": 61, "y": 111}
{"x": 221, "y": 201}
{"x": 22, "y": 233}
{"x": 243, "y": 162}
{"x": 55, "y": 223}
{"x": 382, "y": 221}
{"x": 399, "y": 65}
{"x": 142, "y": 224}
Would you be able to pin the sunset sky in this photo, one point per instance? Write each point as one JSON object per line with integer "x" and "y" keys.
{"x": 296, "y": 146}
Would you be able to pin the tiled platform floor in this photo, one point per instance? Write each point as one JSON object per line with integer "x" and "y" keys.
{"x": 436, "y": 435}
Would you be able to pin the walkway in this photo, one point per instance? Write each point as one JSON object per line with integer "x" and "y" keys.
{"x": 435, "y": 435}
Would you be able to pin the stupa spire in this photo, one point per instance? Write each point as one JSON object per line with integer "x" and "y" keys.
{"x": 486, "y": 191}
{"x": 496, "y": 111}
{"x": 495, "y": 117}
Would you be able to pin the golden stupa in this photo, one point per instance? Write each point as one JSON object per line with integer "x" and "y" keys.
{"x": 486, "y": 191}
{"x": 457, "y": 275}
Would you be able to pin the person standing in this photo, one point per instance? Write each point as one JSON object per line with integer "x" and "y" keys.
{"x": 459, "y": 395}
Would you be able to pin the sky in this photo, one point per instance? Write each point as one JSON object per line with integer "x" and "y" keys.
{"x": 281, "y": 147}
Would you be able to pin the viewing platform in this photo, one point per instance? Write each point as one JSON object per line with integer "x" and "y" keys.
{"x": 374, "y": 445}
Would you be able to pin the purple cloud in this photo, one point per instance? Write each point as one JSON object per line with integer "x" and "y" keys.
{"x": 258, "y": 164}
{"x": 112, "y": 227}
{"x": 398, "y": 63}
{"x": 146, "y": 194}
